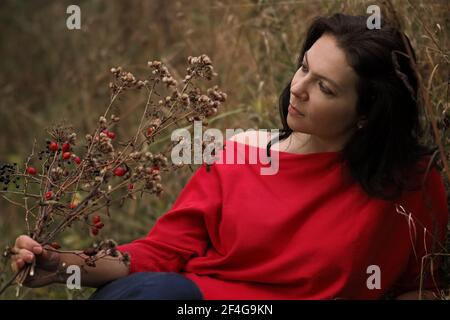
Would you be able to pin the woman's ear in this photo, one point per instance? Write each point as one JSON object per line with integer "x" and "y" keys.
{"x": 361, "y": 123}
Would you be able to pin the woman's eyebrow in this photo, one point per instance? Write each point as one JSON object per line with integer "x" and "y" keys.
{"x": 321, "y": 76}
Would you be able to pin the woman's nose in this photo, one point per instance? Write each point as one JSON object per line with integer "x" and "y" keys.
{"x": 299, "y": 93}
{"x": 298, "y": 89}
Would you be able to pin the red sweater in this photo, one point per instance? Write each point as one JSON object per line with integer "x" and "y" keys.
{"x": 303, "y": 233}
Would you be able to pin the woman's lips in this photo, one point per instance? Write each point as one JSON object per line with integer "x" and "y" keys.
{"x": 294, "y": 111}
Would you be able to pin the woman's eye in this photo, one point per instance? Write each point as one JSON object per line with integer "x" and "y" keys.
{"x": 304, "y": 67}
{"x": 325, "y": 89}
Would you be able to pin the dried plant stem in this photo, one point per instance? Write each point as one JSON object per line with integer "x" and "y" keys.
{"x": 422, "y": 272}
{"x": 430, "y": 34}
{"x": 10, "y": 281}
{"x": 13, "y": 202}
{"x": 424, "y": 95}
{"x": 72, "y": 216}
{"x": 97, "y": 130}
{"x": 173, "y": 122}
{"x": 112, "y": 100}
{"x": 144, "y": 113}
{"x": 27, "y": 211}
{"x": 31, "y": 195}
{"x": 182, "y": 91}
{"x": 163, "y": 121}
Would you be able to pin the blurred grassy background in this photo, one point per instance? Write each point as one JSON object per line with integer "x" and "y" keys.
{"x": 49, "y": 73}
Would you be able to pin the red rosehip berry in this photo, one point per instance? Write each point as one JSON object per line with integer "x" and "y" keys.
{"x": 119, "y": 171}
{"x": 99, "y": 225}
{"x": 131, "y": 186}
{"x": 155, "y": 170}
{"x": 31, "y": 170}
{"x": 53, "y": 146}
{"x": 65, "y": 147}
{"x": 66, "y": 155}
{"x": 55, "y": 245}
{"x": 94, "y": 231}
{"x": 111, "y": 135}
{"x": 48, "y": 195}
{"x": 77, "y": 160}
{"x": 150, "y": 131}
{"x": 72, "y": 205}
{"x": 96, "y": 219}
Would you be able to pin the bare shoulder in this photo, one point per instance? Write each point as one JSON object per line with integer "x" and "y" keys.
{"x": 252, "y": 137}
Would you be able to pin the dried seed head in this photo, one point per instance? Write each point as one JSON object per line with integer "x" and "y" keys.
{"x": 156, "y": 122}
{"x": 205, "y": 59}
{"x": 72, "y": 137}
{"x": 129, "y": 77}
{"x": 140, "y": 84}
{"x": 148, "y": 155}
{"x": 135, "y": 155}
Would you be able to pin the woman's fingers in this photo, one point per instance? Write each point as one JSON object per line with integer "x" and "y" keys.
{"x": 26, "y": 255}
{"x": 17, "y": 265}
{"x": 14, "y": 266}
{"x": 25, "y": 242}
{"x": 26, "y": 250}
{"x": 21, "y": 257}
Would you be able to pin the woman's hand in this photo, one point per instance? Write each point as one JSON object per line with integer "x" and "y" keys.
{"x": 26, "y": 250}
{"x": 51, "y": 265}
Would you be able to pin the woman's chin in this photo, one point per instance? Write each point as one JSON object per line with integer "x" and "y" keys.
{"x": 295, "y": 125}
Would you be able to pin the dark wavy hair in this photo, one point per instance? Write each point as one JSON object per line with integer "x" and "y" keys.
{"x": 378, "y": 154}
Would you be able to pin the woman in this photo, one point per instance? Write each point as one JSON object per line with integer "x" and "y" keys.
{"x": 346, "y": 216}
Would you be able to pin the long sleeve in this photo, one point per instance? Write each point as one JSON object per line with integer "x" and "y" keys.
{"x": 428, "y": 226}
{"x": 180, "y": 234}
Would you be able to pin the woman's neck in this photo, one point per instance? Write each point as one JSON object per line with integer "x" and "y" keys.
{"x": 299, "y": 142}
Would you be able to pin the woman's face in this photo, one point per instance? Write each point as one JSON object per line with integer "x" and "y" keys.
{"x": 323, "y": 90}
